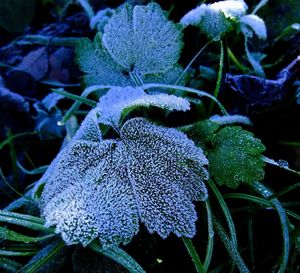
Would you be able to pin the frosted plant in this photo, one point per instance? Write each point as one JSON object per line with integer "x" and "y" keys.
{"x": 103, "y": 189}
{"x": 122, "y": 99}
{"x": 138, "y": 44}
{"x": 216, "y": 19}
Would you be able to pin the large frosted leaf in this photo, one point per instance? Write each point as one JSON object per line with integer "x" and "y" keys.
{"x": 103, "y": 189}
{"x": 99, "y": 67}
{"x": 142, "y": 39}
{"x": 122, "y": 99}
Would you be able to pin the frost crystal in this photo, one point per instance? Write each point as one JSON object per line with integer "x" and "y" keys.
{"x": 137, "y": 41}
{"x": 120, "y": 99}
{"x": 215, "y": 19}
{"x": 104, "y": 188}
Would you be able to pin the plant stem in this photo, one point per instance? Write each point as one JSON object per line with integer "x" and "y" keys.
{"x": 192, "y": 61}
{"x": 236, "y": 61}
{"x": 219, "y": 78}
{"x": 266, "y": 193}
{"x": 194, "y": 255}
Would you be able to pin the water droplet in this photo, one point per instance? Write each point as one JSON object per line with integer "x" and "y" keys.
{"x": 283, "y": 163}
{"x": 60, "y": 123}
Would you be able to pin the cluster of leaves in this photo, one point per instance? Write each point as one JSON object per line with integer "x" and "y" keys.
{"x": 124, "y": 167}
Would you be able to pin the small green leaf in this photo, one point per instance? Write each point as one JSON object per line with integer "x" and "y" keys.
{"x": 201, "y": 132}
{"x": 236, "y": 157}
{"x": 253, "y": 24}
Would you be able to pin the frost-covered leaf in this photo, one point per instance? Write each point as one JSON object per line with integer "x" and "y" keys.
{"x": 100, "y": 19}
{"x": 138, "y": 41}
{"x": 103, "y": 189}
{"x": 217, "y": 18}
{"x": 99, "y": 67}
{"x": 121, "y": 100}
{"x": 250, "y": 24}
{"x": 141, "y": 39}
{"x": 236, "y": 157}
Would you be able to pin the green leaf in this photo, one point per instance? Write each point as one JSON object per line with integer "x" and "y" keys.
{"x": 15, "y": 15}
{"x": 200, "y": 132}
{"x": 236, "y": 157}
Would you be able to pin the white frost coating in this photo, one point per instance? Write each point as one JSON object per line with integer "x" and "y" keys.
{"x": 89, "y": 128}
{"x": 103, "y": 189}
{"x": 217, "y": 18}
{"x": 252, "y": 23}
{"x": 142, "y": 40}
{"x": 224, "y": 120}
{"x": 119, "y": 99}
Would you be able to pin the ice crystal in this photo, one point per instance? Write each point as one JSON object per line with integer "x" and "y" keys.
{"x": 137, "y": 41}
{"x": 105, "y": 188}
{"x": 120, "y": 99}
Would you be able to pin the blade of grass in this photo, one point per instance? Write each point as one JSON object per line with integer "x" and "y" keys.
{"x": 10, "y": 235}
{"x": 192, "y": 61}
{"x": 119, "y": 255}
{"x": 231, "y": 248}
{"x": 266, "y": 193}
{"x": 43, "y": 257}
{"x": 77, "y": 104}
{"x": 225, "y": 210}
{"x": 210, "y": 239}
{"x": 194, "y": 255}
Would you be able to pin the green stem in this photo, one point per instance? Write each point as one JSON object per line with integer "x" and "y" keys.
{"x": 192, "y": 61}
{"x": 225, "y": 210}
{"x": 186, "y": 89}
{"x": 266, "y": 193}
{"x": 87, "y": 8}
{"x": 231, "y": 248}
{"x": 236, "y": 61}
{"x": 210, "y": 239}
{"x": 194, "y": 255}
{"x": 46, "y": 40}
{"x": 219, "y": 78}
{"x": 12, "y": 137}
